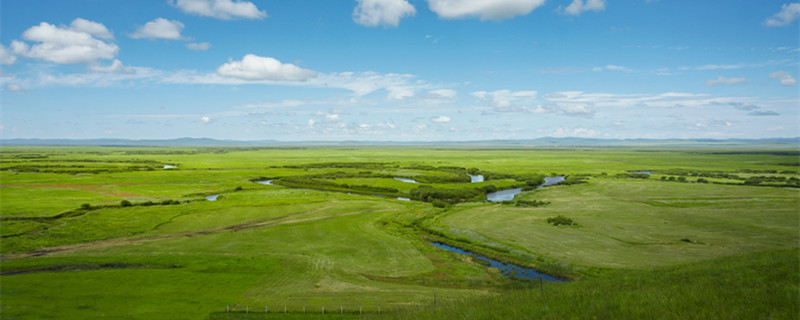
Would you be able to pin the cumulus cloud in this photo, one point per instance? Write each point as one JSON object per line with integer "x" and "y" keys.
{"x": 5, "y": 56}
{"x": 579, "y": 6}
{"x": 205, "y": 119}
{"x": 253, "y": 67}
{"x": 220, "y": 9}
{"x": 785, "y": 78}
{"x": 159, "y": 28}
{"x": 75, "y": 44}
{"x": 723, "y": 80}
{"x": 373, "y": 13}
{"x": 202, "y": 46}
{"x": 789, "y": 12}
{"x": 441, "y": 119}
{"x": 94, "y": 28}
{"x": 495, "y": 10}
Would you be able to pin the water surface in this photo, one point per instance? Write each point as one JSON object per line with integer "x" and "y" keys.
{"x": 507, "y": 269}
{"x": 475, "y": 178}
{"x": 508, "y": 194}
{"x": 406, "y": 180}
{"x": 212, "y": 197}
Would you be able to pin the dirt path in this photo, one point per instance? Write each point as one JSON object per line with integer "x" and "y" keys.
{"x": 118, "y": 242}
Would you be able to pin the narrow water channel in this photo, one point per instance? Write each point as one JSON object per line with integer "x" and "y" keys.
{"x": 508, "y": 194}
{"x": 510, "y": 270}
{"x": 212, "y": 197}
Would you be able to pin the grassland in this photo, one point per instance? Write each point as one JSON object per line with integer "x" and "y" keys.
{"x": 71, "y": 249}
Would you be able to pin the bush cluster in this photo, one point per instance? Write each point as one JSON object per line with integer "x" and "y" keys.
{"x": 561, "y": 221}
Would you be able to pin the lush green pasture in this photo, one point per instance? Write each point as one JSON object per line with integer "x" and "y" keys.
{"x": 642, "y": 248}
{"x": 640, "y": 223}
{"x": 752, "y": 286}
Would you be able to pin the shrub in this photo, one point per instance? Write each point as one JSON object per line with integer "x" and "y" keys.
{"x": 125, "y": 203}
{"x": 239, "y": 188}
{"x": 86, "y": 206}
{"x": 561, "y": 221}
{"x": 439, "y": 204}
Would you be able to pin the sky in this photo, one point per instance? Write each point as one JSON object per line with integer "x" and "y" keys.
{"x": 399, "y": 70}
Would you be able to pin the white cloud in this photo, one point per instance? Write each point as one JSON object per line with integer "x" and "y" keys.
{"x": 718, "y": 67}
{"x": 506, "y": 100}
{"x": 444, "y": 93}
{"x": 14, "y": 87}
{"x": 310, "y": 123}
{"x": 728, "y": 81}
{"x": 202, "y": 46}
{"x": 373, "y": 13}
{"x": 220, "y": 9}
{"x": 579, "y": 6}
{"x": 159, "y": 28}
{"x": 577, "y": 110}
{"x": 6, "y": 57}
{"x": 784, "y": 77}
{"x": 576, "y": 132}
{"x": 441, "y": 119}
{"x": 65, "y": 45}
{"x": 253, "y": 67}
{"x": 333, "y": 117}
{"x": 116, "y": 66}
{"x": 94, "y": 28}
{"x": 612, "y": 67}
{"x": 495, "y": 10}
{"x": 789, "y": 12}
{"x": 205, "y": 119}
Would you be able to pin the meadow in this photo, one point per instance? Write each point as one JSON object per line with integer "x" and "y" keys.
{"x": 127, "y": 232}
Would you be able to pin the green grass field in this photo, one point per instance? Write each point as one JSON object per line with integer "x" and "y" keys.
{"x": 642, "y": 248}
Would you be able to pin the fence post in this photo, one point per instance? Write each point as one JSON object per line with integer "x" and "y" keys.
{"x": 541, "y": 286}
{"x": 360, "y": 310}
{"x": 227, "y": 308}
{"x": 323, "y": 309}
{"x": 246, "y": 309}
{"x": 266, "y": 310}
{"x": 341, "y": 310}
{"x": 304, "y": 309}
{"x": 284, "y": 309}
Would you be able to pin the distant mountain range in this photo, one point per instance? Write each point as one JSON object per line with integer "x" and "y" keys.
{"x": 792, "y": 143}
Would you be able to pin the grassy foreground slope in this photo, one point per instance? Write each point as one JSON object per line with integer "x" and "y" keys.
{"x": 752, "y": 286}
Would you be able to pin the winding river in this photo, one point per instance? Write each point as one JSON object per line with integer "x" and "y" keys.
{"x": 508, "y": 194}
{"x": 510, "y": 270}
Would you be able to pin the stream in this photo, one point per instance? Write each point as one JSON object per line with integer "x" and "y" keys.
{"x": 510, "y": 270}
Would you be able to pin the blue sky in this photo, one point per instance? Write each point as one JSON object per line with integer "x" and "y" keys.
{"x": 401, "y": 70}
